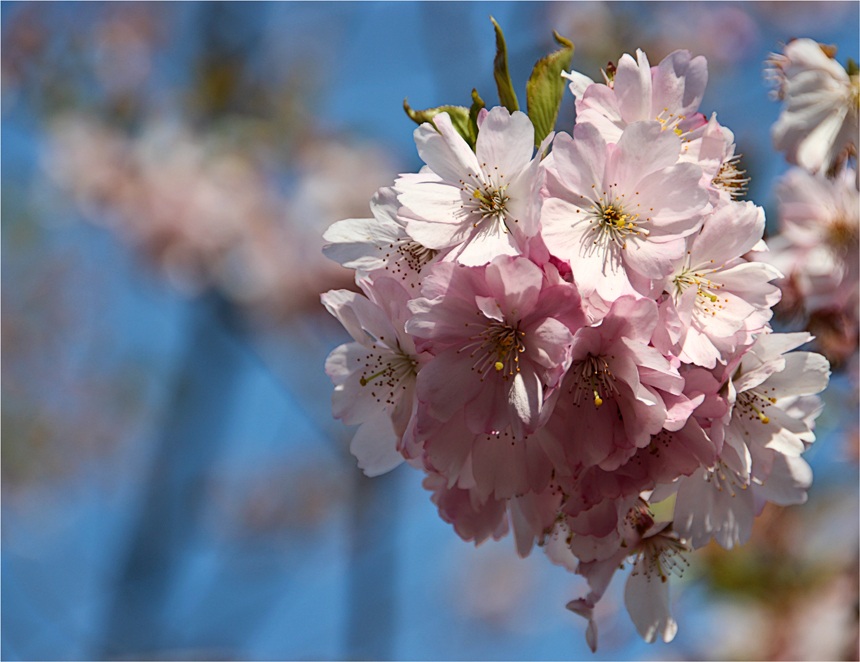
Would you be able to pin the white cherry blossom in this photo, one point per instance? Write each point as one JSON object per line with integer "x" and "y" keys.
{"x": 479, "y": 204}
{"x": 818, "y": 126}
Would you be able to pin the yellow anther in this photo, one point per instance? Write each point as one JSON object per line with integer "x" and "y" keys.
{"x": 678, "y": 131}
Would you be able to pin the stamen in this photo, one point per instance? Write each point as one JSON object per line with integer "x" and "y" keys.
{"x": 731, "y": 179}
{"x": 498, "y": 346}
{"x": 592, "y": 374}
{"x": 746, "y": 403}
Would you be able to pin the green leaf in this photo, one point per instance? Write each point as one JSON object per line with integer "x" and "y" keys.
{"x": 545, "y": 88}
{"x": 477, "y": 105}
{"x": 852, "y": 67}
{"x": 460, "y": 118}
{"x": 507, "y": 96}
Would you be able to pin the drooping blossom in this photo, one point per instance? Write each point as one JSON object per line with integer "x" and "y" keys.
{"x": 618, "y": 213}
{"x": 473, "y": 520}
{"x": 818, "y": 126}
{"x": 656, "y": 553}
{"x": 480, "y": 204}
{"x": 501, "y": 463}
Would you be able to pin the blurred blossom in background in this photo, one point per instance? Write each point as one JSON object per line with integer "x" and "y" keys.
{"x": 173, "y": 483}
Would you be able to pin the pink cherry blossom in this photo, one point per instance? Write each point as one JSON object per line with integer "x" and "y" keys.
{"x": 611, "y": 401}
{"x": 560, "y": 342}
{"x": 764, "y": 437}
{"x": 714, "y": 298}
{"x": 618, "y": 213}
{"x": 499, "y": 335}
{"x": 817, "y": 249}
{"x": 669, "y": 93}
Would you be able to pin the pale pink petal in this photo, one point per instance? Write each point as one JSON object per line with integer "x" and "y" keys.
{"x": 676, "y": 197}
{"x": 525, "y": 397}
{"x": 516, "y": 284}
{"x": 505, "y": 143}
{"x": 643, "y": 148}
{"x": 445, "y": 151}
{"x": 679, "y": 83}
{"x": 445, "y": 385}
{"x": 805, "y": 373}
{"x": 580, "y": 161}
{"x": 352, "y": 243}
{"x": 652, "y": 259}
{"x": 732, "y": 230}
{"x": 633, "y": 87}
{"x": 788, "y": 481}
{"x": 578, "y": 82}
{"x": 647, "y": 600}
{"x": 375, "y": 445}
{"x": 489, "y": 240}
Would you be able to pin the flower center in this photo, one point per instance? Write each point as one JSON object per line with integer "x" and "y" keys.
{"x": 412, "y": 254}
{"x": 614, "y": 223}
{"x": 593, "y": 376}
{"x": 706, "y": 300}
{"x": 611, "y": 224}
{"x": 724, "y": 478}
{"x": 491, "y": 202}
{"x": 497, "y": 348}
{"x": 661, "y": 555}
{"x": 841, "y": 233}
{"x": 485, "y": 197}
{"x": 670, "y": 121}
{"x": 384, "y": 371}
{"x": 753, "y": 404}
{"x": 731, "y": 179}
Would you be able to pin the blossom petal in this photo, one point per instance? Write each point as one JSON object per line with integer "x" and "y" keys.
{"x": 647, "y": 600}
{"x": 445, "y": 151}
{"x": 375, "y": 445}
{"x": 505, "y": 143}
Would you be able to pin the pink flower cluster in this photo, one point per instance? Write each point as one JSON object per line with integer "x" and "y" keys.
{"x": 560, "y": 342}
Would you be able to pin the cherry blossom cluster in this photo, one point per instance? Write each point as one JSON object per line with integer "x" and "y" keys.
{"x": 819, "y": 205}
{"x": 561, "y": 335}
